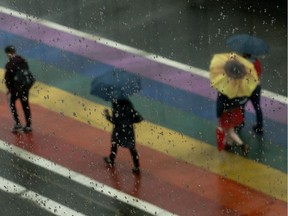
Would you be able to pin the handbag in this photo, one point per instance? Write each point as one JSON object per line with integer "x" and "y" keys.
{"x": 220, "y": 137}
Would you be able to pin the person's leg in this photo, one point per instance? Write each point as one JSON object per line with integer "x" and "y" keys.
{"x": 241, "y": 126}
{"x": 255, "y": 99}
{"x": 24, "y": 98}
{"x": 135, "y": 157}
{"x": 228, "y": 141}
{"x": 113, "y": 152}
{"x": 234, "y": 136}
{"x": 13, "y": 98}
{"x": 231, "y": 133}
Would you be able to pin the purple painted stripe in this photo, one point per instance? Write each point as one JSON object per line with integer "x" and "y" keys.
{"x": 130, "y": 62}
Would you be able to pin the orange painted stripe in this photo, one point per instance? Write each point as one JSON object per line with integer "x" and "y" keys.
{"x": 165, "y": 181}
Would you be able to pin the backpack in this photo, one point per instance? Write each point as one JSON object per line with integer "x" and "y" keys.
{"x": 23, "y": 79}
{"x": 136, "y": 117}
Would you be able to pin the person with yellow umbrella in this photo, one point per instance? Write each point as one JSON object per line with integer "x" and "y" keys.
{"x": 235, "y": 78}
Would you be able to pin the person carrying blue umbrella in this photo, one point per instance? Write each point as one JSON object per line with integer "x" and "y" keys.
{"x": 123, "y": 117}
{"x": 116, "y": 86}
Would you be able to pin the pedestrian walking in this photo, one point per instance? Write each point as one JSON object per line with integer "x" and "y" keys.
{"x": 18, "y": 81}
{"x": 123, "y": 117}
{"x": 255, "y": 98}
{"x": 251, "y": 46}
{"x": 235, "y": 78}
{"x": 230, "y": 116}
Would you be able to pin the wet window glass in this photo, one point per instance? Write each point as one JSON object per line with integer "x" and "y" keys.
{"x": 143, "y": 107}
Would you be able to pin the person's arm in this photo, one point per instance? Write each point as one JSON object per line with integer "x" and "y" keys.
{"x": 108, "y": 116}
{"x": 8, "y": 77}
{"x": 220, "y": 103}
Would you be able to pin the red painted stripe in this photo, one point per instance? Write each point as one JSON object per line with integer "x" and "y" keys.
{"x": 166, "y": 182}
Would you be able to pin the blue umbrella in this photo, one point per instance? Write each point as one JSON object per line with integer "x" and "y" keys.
{"x": 115, "y": 84}
{"x": 249, "y": 44}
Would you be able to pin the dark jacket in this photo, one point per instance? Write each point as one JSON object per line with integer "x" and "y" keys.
{"x": 223, "y": 103}
{"x": 12, "y": 65}
{"x": 123, "y": 117}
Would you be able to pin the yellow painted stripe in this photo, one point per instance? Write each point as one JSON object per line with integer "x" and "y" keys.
{"x": 244, "y": 171}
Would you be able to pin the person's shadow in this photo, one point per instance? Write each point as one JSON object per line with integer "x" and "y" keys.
{"x": 24, "y": 171}
{"x": 24, "y": 140}
{"x": 117, "y": 184}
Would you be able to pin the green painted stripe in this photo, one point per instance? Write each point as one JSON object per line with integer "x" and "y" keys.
{"x": 244, "y": 171}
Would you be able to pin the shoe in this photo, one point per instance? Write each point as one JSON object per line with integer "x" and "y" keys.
{"x": 16, "y": 128}
{"x": 245, "y": 148}
{"x": 27, "y": 129}
{"x": 239, "y": 128}
{"x": 227, "y": 147}
{"x": 108, "y": 161}
{"x": 136, "y": 170}
{"x": 258, "y": 130}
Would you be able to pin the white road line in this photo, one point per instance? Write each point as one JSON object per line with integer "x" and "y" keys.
{"x": 125, "y": 48}
{"x": 11, "y": 187}
{"x": 41, "y": 201}
{"x": 80, "y": 179}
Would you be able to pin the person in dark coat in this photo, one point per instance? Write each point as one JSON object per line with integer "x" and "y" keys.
{"x": 123, "y": 117}
{"x": 230, "y": 116}
{"x": 14, "y": 63}
{"x": 256, "y": 95}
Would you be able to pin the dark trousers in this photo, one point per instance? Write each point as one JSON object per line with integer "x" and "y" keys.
{"x": 255, "y": 99}
{"x": 133, "y": 152}
{"x": 24, "y": 99}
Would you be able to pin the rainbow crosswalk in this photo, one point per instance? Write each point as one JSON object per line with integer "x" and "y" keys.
{"x": 176, "y": 140}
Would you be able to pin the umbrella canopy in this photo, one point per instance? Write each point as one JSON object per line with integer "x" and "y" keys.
{"x": 233, "y": 75}
{"x": 116, "y": 84}
{"x": 249, "y": 44}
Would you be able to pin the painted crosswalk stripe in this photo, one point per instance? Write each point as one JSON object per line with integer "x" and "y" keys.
{"x": 78, "y": 178}
{"x": 41, "y": 201}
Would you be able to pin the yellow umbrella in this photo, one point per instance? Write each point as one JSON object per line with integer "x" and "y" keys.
{"x": 233, "y": 75}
